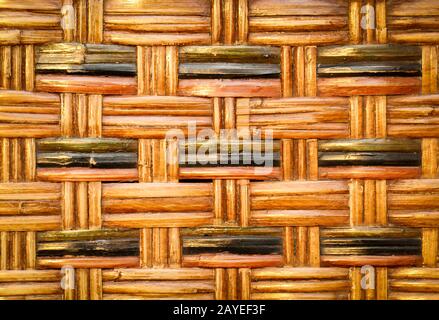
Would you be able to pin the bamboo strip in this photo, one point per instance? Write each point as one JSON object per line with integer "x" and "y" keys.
{"x": 94, "y": 205}
{"x": 301, "y": 244}
{"x": 168, "y": 220}
{"x": 231, "y": 261}
{"x": 29, "y": 68}
{"x": 372, "y": 172}
{"x": 156, "y": 39}
{"x": 310, "y": 71}
{"x": 300, "y": 286}
{"x": 157, "y": 274}
{"x": 95, "y": 284}
{"x": 286, "y": 71}
{"x": 230, "y": 88}
{"x": 230, "y": 172}
{"x": 245, "y": 283}
{"x": 299, "y": 71}
{"x": 297, "y": 23}
{"x": 218, "y": 201}
{"x": 430, "y": 151}
{"x": 244, "y": 202}
{"x": 289, "y": 249}
{"x": 426, "y": 69}
{"x": 96, "y": 19}
{"x": 300, "y": 296}
{"x": 298, "y": 273}
{"x": 348, "y": 86}
{"x": 229, "y": 17}
{"x": 155, "y": 190}
{"x": 69, "y": 20}
{"x": 86, "y": 174}
{"x": 243, "y": 21}
{"x": 94, "y": 116}
{"x": 231, "y": 200}
{"x": 300, "y": 157}
{"x": 354, "y": 21}
{"x": 142, "y": 71}
{"x": 171, "y": 70}
{"x": 314, "y": 246}
{"x": 17, "y": 68}
{"x": 216, "y": 22}
{"x": 30, "y": 250}
{"x": 156, "y": 23}
{"x": 81, "y": 113}
{"x": 157, "y": 287}
{"x": 81, "y": 21}
{"x": 23, "y": 289}
{"x": 86, "y": 84}
{"x": 5, "y": 77}
{"x": 29, "y": 223}
{"x": 16, "y": 160}
{"x": 413, "y": 37}
{"x": 359, "y": 261}
{"x": 174, "y": 247}
{"x": 297, "y": 7}
{"x": 68, "y": 205}
{"x": 82, "y": 205}
{"x": 5, "y": 162}
{"x": 4, "y": 245}
{"x": 429, "y": 246}
{"x": 82, "y": 278}
{"x": 220, "y": 284}
{"x": 298, "y": 38}
{"x": 89, "y": 262}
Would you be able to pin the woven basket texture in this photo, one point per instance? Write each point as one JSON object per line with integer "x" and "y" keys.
{"x": 102, "y": 197}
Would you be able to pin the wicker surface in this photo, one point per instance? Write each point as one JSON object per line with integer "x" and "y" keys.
{"x": 96, "y": 202}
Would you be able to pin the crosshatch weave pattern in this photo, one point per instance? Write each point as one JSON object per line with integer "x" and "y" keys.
{"x": 96, "y": 201}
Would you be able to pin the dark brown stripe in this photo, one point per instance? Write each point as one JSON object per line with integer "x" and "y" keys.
{"x": 228, "y": 70}
{"x": 90, "y": 160}
{"x": 378, "y": 68}
{"x": 332, "y": 159}
{"x": 370, "y": 145}
{"x": 127, "y": 69}
{"x": 370, "y": 242}
{"x": 106, "y": 242}
{"x": 238, "y": 153}
{"x": 86, "y": 145}
{"x": 248, "y": 54}
{"x": 240, "y": 159}
{"x": 113, "y": 247}
{"x": 232, "y": 240}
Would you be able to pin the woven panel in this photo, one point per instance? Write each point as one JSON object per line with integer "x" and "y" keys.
{"x": 104, "y": 193}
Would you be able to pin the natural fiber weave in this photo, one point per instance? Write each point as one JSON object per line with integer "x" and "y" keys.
{"x": 97, "y": 202}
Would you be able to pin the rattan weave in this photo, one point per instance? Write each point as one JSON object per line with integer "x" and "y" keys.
{"x": 97, "y": 202}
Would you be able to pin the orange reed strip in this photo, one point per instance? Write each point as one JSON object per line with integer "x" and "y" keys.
{"x": 349, "y": 86}
{"x": 226, "y": 260}
{"x": 251, "y": 173}
{"x": 230, "y": 88}
{"x": 89, "y": 262}
{"x": 86, "y": 84}
{"x": 29, "y": 223}
{"x": 9, "y": 130}
{"x": 372, "y": 172}
{"x": 359, "y": 261}
{"x": 299, "y": 217}
{"x": 87, "y": 174}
